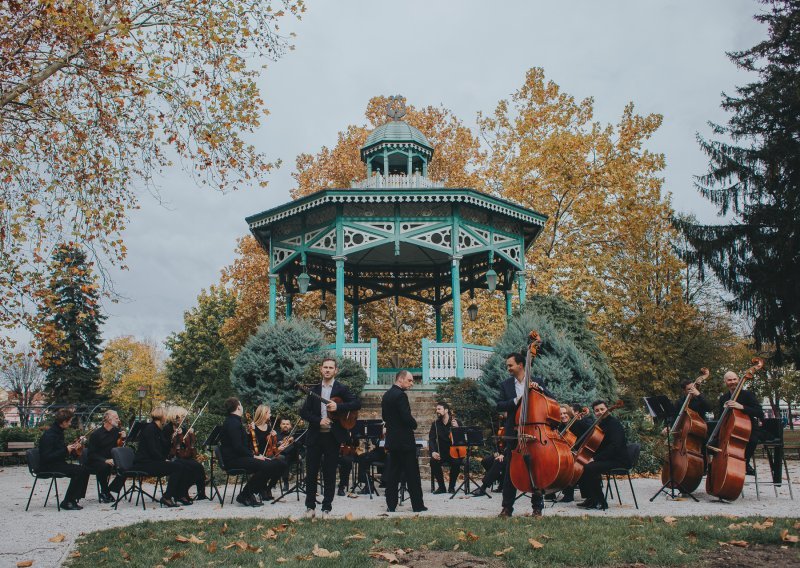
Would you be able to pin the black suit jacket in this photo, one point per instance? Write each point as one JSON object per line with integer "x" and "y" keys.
{"x": 152, "y": 447}
{"x": 400, "y": 424}
{"x": 505, "y": 403}
{"x": 614, "y": 447}
{"x": 311, "y": 412}
{"x": 234, "y": 441}
{"x": 750, "y": 402}
{"x": 52, "y": 449}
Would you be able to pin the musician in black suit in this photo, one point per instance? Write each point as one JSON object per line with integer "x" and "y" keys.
{"x": 401, "y": 444}
{"x": 511, "y": 392}
{"x": 748, "y": 403}
{"x": 324, "y": 435}
{"x": 237, "y": 453}
{"x": 611, "y": 453}
{"x": 53, "y": 452}
{"x": 98, "y": 459}
{"x": 151, "y": 457}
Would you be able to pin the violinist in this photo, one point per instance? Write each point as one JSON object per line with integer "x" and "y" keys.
{"x": 511, "y": 392}
{"x": 439, "y": 442}
{"x": 373, "y": 452}
{"x": 178, "y": 438}
{"x": 611, "y": 453}
{"x": 747, "y": 402}
{"x": 290, "y": 444}
{"x": 151, "y": 458}
{"x": 493, "y": 464}
{"x": 237, "y": 453}
{"x": 263, "y": 428}
{"x": 53, "y": 452}
{"x": 347, "y": 455}
{"x": 98, "y": 458}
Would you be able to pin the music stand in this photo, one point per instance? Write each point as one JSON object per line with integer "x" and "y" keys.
{"x": 211, "y": 441}
{"x": 662, "y": 410}
{"x": 366, "y": 430}
{"x": 299, "y": 479}
{"x": 467, "y": 437}
{"x": 134, "y": 431}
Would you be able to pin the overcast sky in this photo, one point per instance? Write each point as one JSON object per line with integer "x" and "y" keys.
{"x": 666, "y": 57}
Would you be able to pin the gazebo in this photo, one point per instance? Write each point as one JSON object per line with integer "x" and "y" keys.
{"x": 395, "y": 234}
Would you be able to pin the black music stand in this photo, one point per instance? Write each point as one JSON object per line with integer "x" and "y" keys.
{"x": 211, "y": 441}
{"x": 134, "y": 431}
{"x": 366, "y": 430}
{"x": 299, "y": 478}
{"x": 467, "y": 437}
{"x": 662, "y": 410}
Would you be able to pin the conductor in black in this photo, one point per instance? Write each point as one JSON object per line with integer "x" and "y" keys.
{"x": 324, "y": 435}
{"x": 401, "y": 444}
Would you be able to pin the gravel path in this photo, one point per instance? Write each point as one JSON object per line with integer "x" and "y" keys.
{"x": 25, "y": 536}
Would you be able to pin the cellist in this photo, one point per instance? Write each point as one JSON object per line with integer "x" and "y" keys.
{"x": 698, "y": 403}
{"x": 439, "y": 444}
{"x": 511, "y": 392}
{"x": 611, "y": 453}
{"x": 747, "y": 402}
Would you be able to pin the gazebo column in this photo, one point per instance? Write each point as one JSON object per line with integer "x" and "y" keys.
{"x": 458, "y": 337}
{"x": 273, "y": 292}
{"x": 355, "y": 314}
{"x": 509, "y": 309}
{"x": 289, "y": 298}
{"x": 408, "y": 167}
{"x": 339, "y": 303}
{"x": 385, "y": 163}
{"x": 438, "y": 311}
{"x": 521, "y": 284}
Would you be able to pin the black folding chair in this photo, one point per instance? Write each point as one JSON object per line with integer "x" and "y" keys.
{"x": 123, "y": 461}
{"x": 611, "y": 475}
{"x": 239, "y": 477}
{"x": 34, "y": 462}
{"x": 771, "y": 442}
{"x": 84, "y": 461}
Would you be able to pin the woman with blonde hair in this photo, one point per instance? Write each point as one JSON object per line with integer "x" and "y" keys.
{"x": 151, "y": 457}
{"x": 175, "y": 434}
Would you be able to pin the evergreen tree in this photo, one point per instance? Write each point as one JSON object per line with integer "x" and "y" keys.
{"x": 70, "y": 335}
{"x": 199, "y": 360}
{"x": 755, "y": 179}
{"x": 273, "y": 361}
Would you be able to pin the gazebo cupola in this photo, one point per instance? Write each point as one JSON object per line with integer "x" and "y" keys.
{"x": 394, "y": 234}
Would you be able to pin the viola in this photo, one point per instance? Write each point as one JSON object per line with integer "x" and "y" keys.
{"x": 456, "y": 452}
{"x": 346, "y": 418}
{"x": 588, "y": 444}
{"x": 121, "y": 439}
{"x": 542, "y": 461}
{"x": 685, "y": 466}
{"x": 727, "y": 468}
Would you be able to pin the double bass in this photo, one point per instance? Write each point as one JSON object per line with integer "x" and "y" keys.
{"x": 728, "y": 467}
{"x": 542, "y": 460}
{"x": 586, "y": 447}
{"x": 685, "y": 465}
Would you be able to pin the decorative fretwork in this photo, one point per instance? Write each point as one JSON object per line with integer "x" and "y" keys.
{"x": 380, "y": 226}
{"x": 326, "y": 243}
{"x": 499, "y": 239}
{"x": 512, "y": 253}
{"x": 468, "y": 242}
{"x": 311, "y": 235}
{"x": 413, "y": 226}
{"x": 280, "y": 256}
{"x": 437, "y": 239}
{"x": 354, "y": 239}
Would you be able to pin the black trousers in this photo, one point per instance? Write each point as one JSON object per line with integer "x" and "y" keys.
{"x": 345, "y": 469}
{"x": 438, "y": 474}
{"x": 177, "y": 476}
{"x": 196, "y": 475}
{"x": 78, "y": 478}
{"x": 591, "y": 482}
{"x": 264, "y": 471}
{"x": 403, "y": 464}
{"x": 494, "y": 470}
{"x": 364, "y": 462}
{"x": 510, "y": 492}
{"x": 324, "y": 452}
{"x": 102, "y": 471}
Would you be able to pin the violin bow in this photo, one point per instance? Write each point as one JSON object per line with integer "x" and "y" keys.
{"x": 199, "y": 414}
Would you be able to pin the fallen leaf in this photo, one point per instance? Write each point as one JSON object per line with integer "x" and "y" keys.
{"x": 397, "y": 531}
{"x": 194, "y": 540}
{"x": 281, "y": 560}
{"x": 504, "y": 551}
{"x": 348, "y": 517}
{"x": 670, "y": 520}
{"x": 24, "y": 563}
{"x": 269, "y": 535}
{"x": 258, "y": 527}
{"x": 797, "y": 525}
{"x": 456, "y": 547}
{"x": 324, "y": 552}
{"x": 786, "y": 537}
{"x": 763, "y": 526}
{"x": 281, "y": 528}
{"x": 182, "y": 539}
{"x": 224, "y": 528}
{"x": 356, "y": 536}
{"x": 469, "y": 535}
{"x": 389, "y": 557}
{"x": 739, "y": 543}
{"x": 74, "y": 554}
{"x": 175, "y": 557}
{"x": 212, "y": 548}
{"x": 125, "y": 555}
{"x": 104, "y": 549}
{"x": 240, "y": 544}
{"x": 535, "y": 543}
{"x": 58, "y": 538}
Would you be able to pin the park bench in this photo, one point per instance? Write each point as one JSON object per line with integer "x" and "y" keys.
{"x": 16, "y": 450}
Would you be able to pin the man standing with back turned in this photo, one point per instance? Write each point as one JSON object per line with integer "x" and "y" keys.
{"x": 401, "y": 444}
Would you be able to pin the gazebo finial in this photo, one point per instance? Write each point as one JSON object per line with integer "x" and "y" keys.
{"x": 396, "y": 107}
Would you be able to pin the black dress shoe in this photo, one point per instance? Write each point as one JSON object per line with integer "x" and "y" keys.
{"x": 589, "y": 503}
{"x": 255, "y": 502}
{"x": 106, "y": 498}
{"x": 185, "y": 501}
{"x": 566, "y": 499}
{"x": 364, "y": 491}
{"x": 390, "y": 509}
{"x": 70, "y": 506}
{"x": 340, "y": 492}
{"x": 168, "y": 502}
{"x": 245, "y": 500}
{"x": 505, "y": 513}
{"x": 749, "y": 470}
{"x": 536, "y": 512}
{"x": 200, "y": 497}
{"x": 420, "y": 510}
{"x": 479, "y": 492}
{"x": 266, "y": 495}
{"x": 439, "y": 491}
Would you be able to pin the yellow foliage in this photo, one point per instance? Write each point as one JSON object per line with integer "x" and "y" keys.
{"x": 127, "y": 364}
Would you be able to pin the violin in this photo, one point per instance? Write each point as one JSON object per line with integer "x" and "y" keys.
{"x": 542, "y": 461}
{"x": 685, "y": 466}
{"x": 252, "y": 432}
{"x": 588, "y": 444}
{"x": 121, "y": 439}
{"x": 76, "y": 447}
{"x": 727, "y": 468}
{"x": 566, "y": 433}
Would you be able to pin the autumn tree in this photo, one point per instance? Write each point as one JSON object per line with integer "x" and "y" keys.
{"x": 24, "y": 379}
{"x": 97, "y": 98}
{"x": 198, "y": 360}
{"x": 754, "y": 180}
{"x": 128, "y": 364}
{"x": 69, "y": 338}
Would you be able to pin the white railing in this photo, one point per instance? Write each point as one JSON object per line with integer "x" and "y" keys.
{"x": 397, "y": 181}
{"x": 365, "y": 354}
{"x": 439, "y": 361}
{"x": 475, "y": 357}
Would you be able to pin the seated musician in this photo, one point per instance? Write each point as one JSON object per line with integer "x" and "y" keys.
{"x": 53, "y": 453}
{"x": 237, "y": 453}
{"x": 583, "y": 424}
{"x": 262, "y": 427}
{"x": 347, "y": 455}
{"x": 493, "y": 464}
{"x": 98, "y": 458}
{"x": 177, "y": 439}
{"x": 698, "y": 403}
{"x": 291, "y": 451}
{"x": 748, "y": 403}
{"x": 611, "y": 453}
{"x": 439, "y": 444}
{"x": 151, "y": 457}
{"x": 511, "y": 392}
{"x": 373, "y": 452}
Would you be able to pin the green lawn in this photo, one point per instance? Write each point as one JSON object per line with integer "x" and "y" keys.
{"x": 568, "y": 541}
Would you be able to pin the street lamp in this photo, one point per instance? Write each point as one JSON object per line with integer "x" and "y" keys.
{"x": 302, "y": 281}
{"x": 472, "y": 312}
{"x": 323, "y": 312}
{"x": 491, "y": 280}
{"x": 141, "y": 392}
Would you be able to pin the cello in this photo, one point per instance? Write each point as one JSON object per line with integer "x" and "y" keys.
{"x": 727, "y": 469}
{"x": 588, "y": 444}
{"x": 685, "y": 465}
{"x": 542, "y": 460}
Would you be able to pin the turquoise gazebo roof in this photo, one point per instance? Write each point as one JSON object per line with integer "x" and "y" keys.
{"x": 396, "y": 131}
